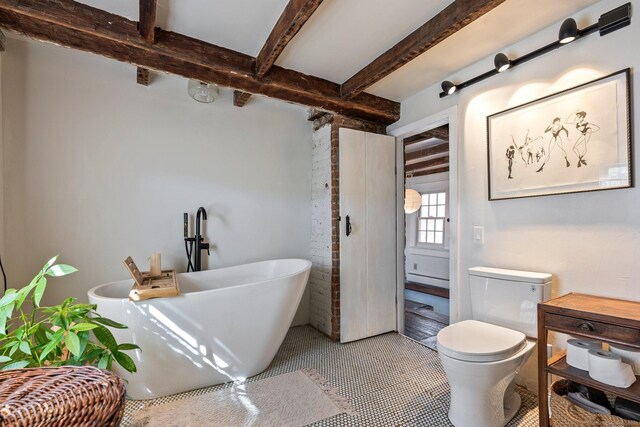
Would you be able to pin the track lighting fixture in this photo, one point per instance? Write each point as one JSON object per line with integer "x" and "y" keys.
{"x": 448, "y": 87}
{"x": 609, "y": 22}
{"x": 568, "y": 31}
{"x": 501, "y": 62}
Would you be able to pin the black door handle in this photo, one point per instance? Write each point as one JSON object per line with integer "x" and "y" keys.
{"x": 348, "y": 225}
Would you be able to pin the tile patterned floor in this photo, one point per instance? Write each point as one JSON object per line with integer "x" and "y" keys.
{"x": 390, "y": 379}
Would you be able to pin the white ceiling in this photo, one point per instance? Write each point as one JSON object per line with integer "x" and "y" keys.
{"x": 345, "y": 35}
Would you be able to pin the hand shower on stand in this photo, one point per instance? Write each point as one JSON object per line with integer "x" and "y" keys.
{"x": 197, "y": 240}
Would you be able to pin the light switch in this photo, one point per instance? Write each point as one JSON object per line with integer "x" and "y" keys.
{"x": 478, "y": 234}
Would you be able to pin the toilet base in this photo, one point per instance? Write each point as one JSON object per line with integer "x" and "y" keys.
{"x": 511, "y": 407}
{"x": 483, "y": 394}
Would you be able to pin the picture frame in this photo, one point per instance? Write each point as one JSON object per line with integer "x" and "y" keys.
{"x": 572, "y": 141}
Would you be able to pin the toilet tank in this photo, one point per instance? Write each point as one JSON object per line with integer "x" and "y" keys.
{"x": 508, "y": 298}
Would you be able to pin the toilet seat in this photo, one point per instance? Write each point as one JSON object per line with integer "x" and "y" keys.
{"x": 475, "y": 341}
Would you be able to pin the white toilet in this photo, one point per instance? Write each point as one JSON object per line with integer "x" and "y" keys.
{"x": 481, "y": 357}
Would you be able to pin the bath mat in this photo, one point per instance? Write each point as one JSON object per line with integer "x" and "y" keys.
{"x": 294, "y": 399}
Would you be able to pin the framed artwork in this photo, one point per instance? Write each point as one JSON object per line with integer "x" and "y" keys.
{"x": 572, "y": 141}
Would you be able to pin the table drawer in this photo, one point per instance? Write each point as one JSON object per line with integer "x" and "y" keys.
{"x": 599, "y": 330}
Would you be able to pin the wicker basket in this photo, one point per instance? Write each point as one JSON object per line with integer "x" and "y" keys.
{"x": 566, "y": 414}
{"x": 61, "y": 397}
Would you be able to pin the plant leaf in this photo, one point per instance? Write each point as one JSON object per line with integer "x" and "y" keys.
{"x": 127, "y": 346}
{"x": 106, "y": 338}
{"x": 104, "y": 361}
{"x": 25, "y": 348}
{"x": 73, "y": 343}
{"x": 108, "y": 322}
{"x": 125, "y": 361}
{"x": 40, "y": 288}
{"x": 3, "y": 320}
{"x": 61, "y": 270}
{"x": 16, "y": 365}
{"x": 5, "y": 359}
{"x": 79, "y": 327}
{"x": 50, "y": 263}
{"x": 53, "y": 343}
{"x": 8, "y": 298}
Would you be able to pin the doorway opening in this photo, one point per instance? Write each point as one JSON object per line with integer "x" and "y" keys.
{"x": 426, "y": 258}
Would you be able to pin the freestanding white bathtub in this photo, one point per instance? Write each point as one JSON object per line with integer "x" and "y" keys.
{"x": 226, "y": 325}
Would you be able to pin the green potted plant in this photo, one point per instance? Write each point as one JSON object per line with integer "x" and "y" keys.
{"x": 35, "y": 336}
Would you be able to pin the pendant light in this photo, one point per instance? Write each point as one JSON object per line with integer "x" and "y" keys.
{"x": 412, "y": 201}
{"x": 203, "y": 92}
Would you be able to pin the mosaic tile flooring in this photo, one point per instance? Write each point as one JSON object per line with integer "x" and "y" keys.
{"x": 390, "y": 379}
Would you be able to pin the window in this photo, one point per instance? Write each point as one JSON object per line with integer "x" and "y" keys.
{"x": 431, "y": 218}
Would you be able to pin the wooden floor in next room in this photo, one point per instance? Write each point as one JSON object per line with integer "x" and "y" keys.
{"x": 421, "y": 322}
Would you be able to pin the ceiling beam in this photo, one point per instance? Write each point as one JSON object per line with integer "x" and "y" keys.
{"x": 240, "y": 98}
{"x": 441, "y": 132}
{"x": 147, "y": 21}
{"x": 426, "y": 152}
{"x": 147, "y": 28}
{"x": 451, "y": 19}
{"x": 427, "y": 164}
{"x": 295, "y": 15}
{"x": 430, "y": 171}
{"x": 72, "y": 24}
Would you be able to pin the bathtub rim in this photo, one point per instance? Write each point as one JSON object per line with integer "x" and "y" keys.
{"x": 91, "y": 293}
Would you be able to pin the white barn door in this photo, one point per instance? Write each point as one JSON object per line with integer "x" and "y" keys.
{"x": 367, "y": 235}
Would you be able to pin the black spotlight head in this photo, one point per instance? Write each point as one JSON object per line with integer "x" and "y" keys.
{"x": 448, "y": 87}
{"x": 501, "y": 62}
{"x": 568, "y": 31}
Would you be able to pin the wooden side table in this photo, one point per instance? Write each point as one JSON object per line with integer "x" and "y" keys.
{"x": 604, "y": 319}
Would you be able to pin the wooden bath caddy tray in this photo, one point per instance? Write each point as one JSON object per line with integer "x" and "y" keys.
{"x": 147, "y": 286}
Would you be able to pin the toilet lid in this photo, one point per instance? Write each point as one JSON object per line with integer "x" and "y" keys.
{"x": 475, "y": 341}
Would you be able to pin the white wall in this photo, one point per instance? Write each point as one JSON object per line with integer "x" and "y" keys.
{"x": 423, "y": 263}
{"x": 589, "y": 241}
{"x": 99, "y": 168}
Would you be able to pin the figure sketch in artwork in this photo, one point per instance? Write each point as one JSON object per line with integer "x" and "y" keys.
{"x": 527, "y": 141}
{"x": 511, "y": 152}
{"x": 585, "y": 129}
{"x": 556, "y": 128}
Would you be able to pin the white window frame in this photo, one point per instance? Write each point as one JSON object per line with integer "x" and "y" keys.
{"x": 444, "y": 218}
{"x": 440, "y": 183}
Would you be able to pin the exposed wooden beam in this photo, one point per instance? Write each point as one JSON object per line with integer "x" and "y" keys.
{"x": 295, "y": 15}
{"x": 441, "y": 132}
{"x": 431, "y": 171}
{"x": 147, "y": 22}
{"x": 3, "y": 41}
{"x": 427, "y": 151}
{"x": 439, "y": 161}
{"x": 451, "y": 19}
{"x": 83, "y": 27}
{"x": 314, "y": 114}
{"x": 143, "y": 76}
{"x": 147, "y": 28}
{"x": 240, "y": 98}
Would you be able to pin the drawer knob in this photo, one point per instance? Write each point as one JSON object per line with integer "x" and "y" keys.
{"x": 586, "y": 326}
